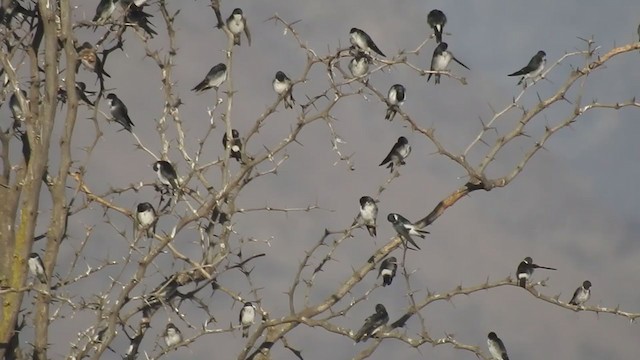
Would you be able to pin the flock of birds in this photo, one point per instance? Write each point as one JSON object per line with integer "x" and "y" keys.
{"x": 363, "y": 46}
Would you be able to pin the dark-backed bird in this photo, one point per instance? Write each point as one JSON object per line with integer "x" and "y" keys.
{"x": 525, "y": 270}
{"x": 399, "y": 152}
{"x": 236, "y": 145}
{"x": 363, "y": 42}
{"x": 135, "y": 15}
{"x": 395, "y": 98}
{"x": 119, "y": 112}
{"x": 237, "y": 23}
{"x": 533, "y": 68}
{"x": 441, "y": 59}
{"x": 436, "y": 20}
{"x": 81, "y": 92}
{"x": 172, "y": 335}
{"x": 582, "y": 294}
{"x": 146, "y": 219}
{"x": 373, "y": 324}
{"x": 36, "y": 267}
{"x": 496, "y": 347}
{"x": 166, "y": 174}
{"x": 282, "y": 86}
{"x": 405, "y": 228}
{"x": 104, "y": 10}
{"x": 359, "y": 65}
{"x": 368, "y": 214}
{"x": 388, "y": 269}
{"x": 247, "y": 317}
{"x": 215, "y": 77}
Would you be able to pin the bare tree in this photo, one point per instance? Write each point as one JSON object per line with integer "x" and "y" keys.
{"x": 164, "y": 268}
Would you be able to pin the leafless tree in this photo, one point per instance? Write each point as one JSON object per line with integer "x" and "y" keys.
{"x": 118, "y": 298}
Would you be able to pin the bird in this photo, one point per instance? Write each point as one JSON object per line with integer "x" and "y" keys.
{"x": 172, "y": 335}
{"x": 88, "y": 57}
{"x": 146, "y": 219}
{"x": 166, "y": 174}
{"x": 525, "y": 270}
{"x": 582, "y": 294}
{"x": 441, "y": 59}
{"x": 119, "y": 112}
{"x": 496, "y": 347}
{"x": 533, "y": 68}
{"x": 135, "y": 15}
{"x": 362, "y": 41}
{"x": 638, "y": 32}
{"x": 247, "y": 317}
{"x": 81, "y": 91}
{"x": 215, "y": 77}
{"x": 399, "y": 152}
{"x": 388, "y": 269}
{"x": 104, "y": 10}
{"x": 237, "y": 23}
{"x": 437, "y": 20}
{"x": 405, "y": 229}
{"x": 359, "y": 65}
{"x": 236, "y": 145}
{"x": 282, "y": 86}
{"x": 17, "y": 109}
{"x": 373, "y": 324}
{"x": 395, "y": 98}
{"x": 368, "y": 214}
{"x": 36, "y": 267}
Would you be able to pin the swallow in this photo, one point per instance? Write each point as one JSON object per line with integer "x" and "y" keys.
{"x": 405, "y": 229}
{"x": 399, "y": 152}
{"x": 533, "y": 68}
{"x": 172, "y": 335}
{"x": 104, "y": 10}
{"x": 496, "y": 347}
{"x": 368, "y": 214}
{"x": 237, "y": 23}
{"x": 373, "y": 324}
{"x": 362, "y": 41}
{"x": 135, "y": 15}
{"x": 582, "y": 294}
{"x": 36, "y": 267}
{"x": 437, "y": 20}
{"x": 146, "y": 219}
{"x": 282, "y": 86}
{"x": 88, "y": 57}
{"x": 215, "y": 77}
{"x": 119, "y": 112}
{"x": 388, "y": 269}
{"x": 247, "y": 317}
{"x": 17, "y": 109}
{"x": 359, "y": 65}
{"x": 166, "y": 174}
{"x": 236, "y": 145}
{"x": 395, "y": 98}
{"x": 12, "y": 8}
{"x": 441, "y": 59}
{"x": 525, "y": 270}
{"x": 81, "y": 91}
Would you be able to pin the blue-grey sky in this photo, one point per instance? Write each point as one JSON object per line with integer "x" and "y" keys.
{"x": 574, "y": 207}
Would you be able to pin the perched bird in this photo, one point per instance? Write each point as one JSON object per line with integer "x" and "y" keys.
{"x": 405, "y": 229}
{"x": 373, "y": 324}
{"x": 88, "y": 57}
{"x": 638, "y": 32}
{"x": 496, "y": 347}
{"x": 437, "y": 19}
{"x": 135, "y": 15}
{"x": 36, "y": 267}
{"x": 533, "y": 68}
{"x": 525, "y": 270}
{"x": 388, "y": 270}
{"x": 399, "y": 152}
{"x": 166, "y": 174}
{"x": 395, "y": 98}
{"x": 362, "y": 41}
{"x": 172, "y": 335}
{"x": 368, "y": 214}
{"x": 582, "y": 294}
{"x": 247, "y": 317}
{"x": 146, "y": 219}
{"x": 441, "y": 59}
{"x": 119, "y": 112}
{"x": 282, "y": 86}
{"x": 215, "y": 77}
{"x": 17, "y": 109}
{"x": 236, "y": 145}
{"x": 237, "y": 23}
{"x": 81, "y": 91}
{"x": 104, "y": 10}
{"x": 359, "y": 65}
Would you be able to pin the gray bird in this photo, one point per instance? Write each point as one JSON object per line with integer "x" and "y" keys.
{"x": 368, "y": 214}
{"x": 396, "y": 97}
{"x": 172, "y": 335}
{"x": 373, "y": 324}
{"x": 36, "y": 267}
{"x": 237, "y": 23}
{"x": 362, "y": 41}
{"x": 215, "y": 77}
{"x": 359, "y": 65}
{"x": 388, "y": 269}
{"x": 496, "y": 347}
{"x": 582, "y": 294}
{"x": 119, "y": 112}
{"x": 525, "y": 270}
{"x": 405, "y": 228}
{"x": 146, "y": 219}
{"x": 441, "y": 59}
{"x": 282, "y": 86}
{"x": 436, "y": 20}
{"x": 533, "y": 68}
{"x": 399, "y": 152}
{"x": 247, "y": 317}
